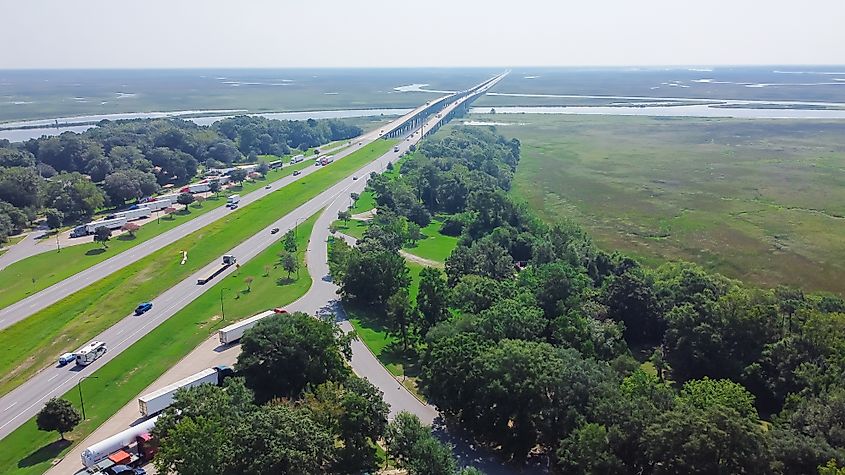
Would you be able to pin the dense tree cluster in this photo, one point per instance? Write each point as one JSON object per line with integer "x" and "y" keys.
{"x": 120, "y": 161}
{"x": 293, "y": 406}
{"x": 537, "y": 339}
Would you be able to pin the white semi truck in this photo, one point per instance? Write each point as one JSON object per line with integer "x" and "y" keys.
{"x": 132, "y": 214}
{"x": 90, "y": 352}
{"x": 89, "y": 228}
{"x": 235, "y": 331}
{"x": 98, "y": 452}
{"x": 160, "y": 400}
{"x": 196, "y": 188}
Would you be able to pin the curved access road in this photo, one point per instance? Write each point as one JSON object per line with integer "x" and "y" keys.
{"x": 24, "y": 308}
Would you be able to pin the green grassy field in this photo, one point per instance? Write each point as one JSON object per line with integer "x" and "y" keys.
{"x": 434, "y": 246}
{"x": 30, "y": 451}
{"x": 758, "y": 200}
{"x": 33, "y": 274}
{"x": 36, "y": 341}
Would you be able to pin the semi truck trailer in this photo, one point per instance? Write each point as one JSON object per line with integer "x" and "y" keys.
{"x": 160, "y": 400}
{"x": 228, "y": 260}
{"x": 89, "y": 228}
{"x": 135, "y": 438}
{"x": 132, "y": 214}
{"x": 235, "y": 331}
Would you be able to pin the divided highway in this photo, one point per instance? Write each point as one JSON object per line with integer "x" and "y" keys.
{"x": 24, "y": 402}
{"x": 321, "y": 297}
{"x": 43, "y": 299}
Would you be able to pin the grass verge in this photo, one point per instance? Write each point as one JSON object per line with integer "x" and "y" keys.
{"x": 33, "y": 274}
{"x": 35, "y": 342}
{"x": 30, "y": 451}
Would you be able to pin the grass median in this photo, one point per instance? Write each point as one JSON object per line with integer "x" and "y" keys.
{"x": 35, "y": 342}
{"x": 30, "y": 451}
{"x": 36, "y": 273}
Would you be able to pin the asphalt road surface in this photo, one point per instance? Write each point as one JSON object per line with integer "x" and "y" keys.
{"x": 43, "y": 299}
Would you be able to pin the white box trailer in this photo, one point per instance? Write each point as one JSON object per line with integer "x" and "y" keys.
{"x": 159, "y": 204}
{"x": 196, "y": 188}
{"x": 137, "y": 213}
{"x": 236, "y": 330}
{"x": 158, "y": 401}
{"x": 104, "y": 448}
{"x": 89, "y": 228}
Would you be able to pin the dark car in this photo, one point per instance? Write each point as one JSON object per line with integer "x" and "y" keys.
{"x": 274, "y": 230}
{"x": 144, "y": 307}
{"x": 126, "y": 470}
{"x": 296, "y": 173}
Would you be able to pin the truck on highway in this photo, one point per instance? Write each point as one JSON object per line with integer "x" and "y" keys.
{"x": 228, "y": 260}
{"x": 233, "y": 200}
{"x": 236, "y": 330}
{"x": 160, "y": 400}
{"x": 90, "y": 352}
{"x": 89, "y": 228}
{"x": 134, "y": 442}
{"x": 297, "y": 159}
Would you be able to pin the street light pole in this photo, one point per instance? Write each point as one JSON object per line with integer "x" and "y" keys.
{"x": 79, "y": 387}
{"x": 222, "y": 311}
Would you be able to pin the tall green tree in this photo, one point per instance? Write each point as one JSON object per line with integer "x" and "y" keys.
{"x": 432, "y": 298}
{"x": 281, "y": 356}
{"x": 57, "y": 415}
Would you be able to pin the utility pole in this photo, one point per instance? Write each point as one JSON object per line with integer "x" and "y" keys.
{"x": 222, "y": 311}
{"x": 79, "y": 387}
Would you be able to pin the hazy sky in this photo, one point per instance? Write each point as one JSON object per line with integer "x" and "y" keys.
{"x": 340, "y": 33}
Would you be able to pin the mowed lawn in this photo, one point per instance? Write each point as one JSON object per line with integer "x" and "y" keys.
{"x": 758, "y": 200}
{"x": 434, "y": 246}
{"x": 33, "y": 274}
{"x": 36, "y": 341}
{"x": 29, "y": 451}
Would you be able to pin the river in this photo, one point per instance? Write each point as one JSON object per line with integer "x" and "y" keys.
{"x": 20, "y": 135}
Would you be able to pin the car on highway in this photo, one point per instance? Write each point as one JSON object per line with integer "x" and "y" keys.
{"x": 66, "y": 358}
{"x": 279, "y": 310}
{"x": 143, "y": 308}
{"x": 297, "y": 172}
{"x": 355, "y": 177}
{"x": 274, "y": 230}
{"x": 267, "y": 187}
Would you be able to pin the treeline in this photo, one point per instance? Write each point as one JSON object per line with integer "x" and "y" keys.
{"x": 293, "y": 407}
{"x": 68, "y": 177}
{"x": 536, "y": 340}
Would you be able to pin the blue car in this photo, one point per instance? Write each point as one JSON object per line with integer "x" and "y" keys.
{"x": 144, "y": 307}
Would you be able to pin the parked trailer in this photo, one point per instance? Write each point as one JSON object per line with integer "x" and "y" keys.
{"x": 158, "y": 401}
{"x": 137, "y": 213}
{"x": 196, "y": 188}
{"x": 275, "y": 164}
{"x": 90, "y": 352}
{"x": 298, "y": 159}
{"x": 101, "y": 450}
{"x": 90, "y": 228}
{"x": 228, "y": 260}
{"x": 235, "y": 331}
{"x": 159, "y": 205}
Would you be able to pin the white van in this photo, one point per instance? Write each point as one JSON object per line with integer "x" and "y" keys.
{"x": 90, "y": 352}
